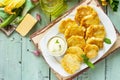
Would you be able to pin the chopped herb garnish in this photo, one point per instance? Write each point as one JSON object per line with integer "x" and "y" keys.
{"x": 108, "y": 41}
{"x": 57, "y": 41}
{"x": 59, "y": 47}
{"x": 86, "y": 61}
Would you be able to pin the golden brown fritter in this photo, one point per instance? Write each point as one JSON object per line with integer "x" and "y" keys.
{"x": 74, "y": 30}
{"x": 64, "y": 24}
{"x": 96, "y": 41}
{"x": 70, "y": 63}
{"x": 91, "y": 51}
{"x": 83, "y": 11}
{"x": 76, "y": 41}
{"x": 96, "y": 31}
{"x": 77, "y": 51}
{"x": 90, "y": 20}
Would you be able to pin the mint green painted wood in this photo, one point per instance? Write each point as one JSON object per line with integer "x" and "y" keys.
{"x": 53, "y": 77}
{"x": 94, "y": 74}
{"x": 115, "y": 17}
{"x": 72, "y": 3}
{"x": 10, "y": 57}
{"x": 112, "y": 62}
{"x": 113, "y": 65}
{"x": 17, "y": 62}
{"x": 33, "y": 67}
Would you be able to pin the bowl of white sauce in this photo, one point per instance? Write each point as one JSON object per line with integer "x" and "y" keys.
{"x": 57, "y": 46}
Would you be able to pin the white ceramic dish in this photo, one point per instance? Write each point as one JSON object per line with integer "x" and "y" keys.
{"x": 54, "y": 63}
{"x": 57, "y": 46}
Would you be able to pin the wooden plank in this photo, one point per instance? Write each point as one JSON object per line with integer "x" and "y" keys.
{"x": 33, "y": 67}
{"x": 94, "y": 74}
{"x": 72, "y": 3}
{"x": 10, "y": 57}
{"x": 112, "y": 66}
{"x": 53, "y": 77}
{"x": 98, "y": 73}
{"x": 112, "y": 62}
{"x": 115, "y": 17}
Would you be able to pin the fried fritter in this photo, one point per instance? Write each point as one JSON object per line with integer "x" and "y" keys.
{"x": 64, "y": 24}
{"x": 76, "y": 41}
{"x": 96, "y": 31}
{"x": 83, "y": 11}
{"x": 74, "y": 30}
{"x": 96, "y": 41}
{"x": 70, "y": 63}
{"x": 77, "y": 51}
{"x": 91, "y": 51}
{"x": 90, "y": 20}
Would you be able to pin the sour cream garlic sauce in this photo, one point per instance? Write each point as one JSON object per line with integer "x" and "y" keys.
{"x": 57, "y": 46}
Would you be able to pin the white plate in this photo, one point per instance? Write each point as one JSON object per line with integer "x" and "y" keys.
{"x": 54, "y": 63}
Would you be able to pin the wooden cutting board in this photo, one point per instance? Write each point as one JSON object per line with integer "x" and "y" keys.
{"x": 36, "y": 37}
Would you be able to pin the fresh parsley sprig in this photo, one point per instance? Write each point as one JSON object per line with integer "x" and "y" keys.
{"x": 86, "y": 61}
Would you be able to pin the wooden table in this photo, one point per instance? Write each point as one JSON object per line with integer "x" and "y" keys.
{"x": 17, "y": 62}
